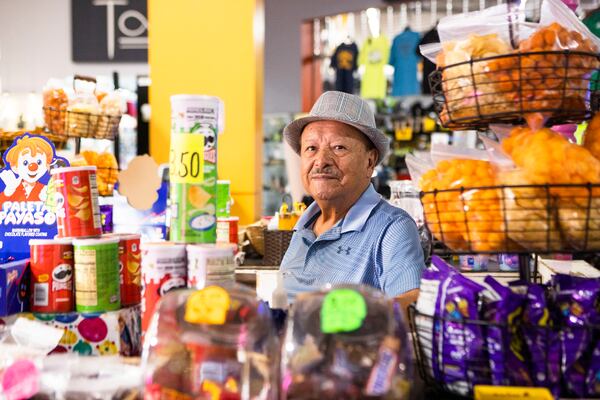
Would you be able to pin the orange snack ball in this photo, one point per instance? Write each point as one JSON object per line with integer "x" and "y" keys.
{"x": 465, "y": 220}
{"x": 591, "y": 139}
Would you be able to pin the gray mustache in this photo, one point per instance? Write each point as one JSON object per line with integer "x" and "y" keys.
{"x": 324, "y": 171}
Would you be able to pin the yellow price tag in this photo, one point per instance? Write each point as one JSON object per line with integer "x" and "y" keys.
{"x": 208, "y": 306}
{"x": 186, "y": 161}
{"x": 483, "y": 392}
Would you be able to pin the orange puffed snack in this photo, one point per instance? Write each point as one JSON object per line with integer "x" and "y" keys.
{"x": 107, "y": 169}
{"x": 556, "y": 80}
{"x": 546, "y": 157}
{"x": 591, "y": 139}
{"x": 468, "y": 219}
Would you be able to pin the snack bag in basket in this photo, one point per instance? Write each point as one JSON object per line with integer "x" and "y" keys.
{"x": 542, "y": 341}
{"x": 55, "y": 99}
{"x": 578, "y": 301}
{"x": 465, "y": 213}
{"x": 506, "y": 345}
{"x": 557, "y": 81}
{"x": 459, "y": 348}
{"x": 546, "y": 157}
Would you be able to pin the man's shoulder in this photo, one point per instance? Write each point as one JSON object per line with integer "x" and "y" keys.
{"x": 386, "y": 212}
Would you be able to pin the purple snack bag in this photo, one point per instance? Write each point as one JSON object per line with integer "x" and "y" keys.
{"x": 506, "y": 345}
{"x": 106, "y": 215}
{"x": 592, "y": 380}
{"x": 459, "y": 346}
{"x": 542, "y": 340}
{"x": 577, "y": 300}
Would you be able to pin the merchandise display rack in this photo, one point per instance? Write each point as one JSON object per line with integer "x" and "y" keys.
{"x": 505, "y": 89}
{"x": 557, "y": 87}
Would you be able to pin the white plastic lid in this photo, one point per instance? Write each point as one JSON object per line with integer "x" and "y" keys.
{"x": 211, "y": 250}
{"x": 125, "y": 236}
{"x": 72, "y": 169}
{"x": 45, "y": 242}
{"x": 95, "y": 242}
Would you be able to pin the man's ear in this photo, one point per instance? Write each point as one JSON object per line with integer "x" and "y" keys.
{"x": 372, "y": 158}
{"x": 14, "y": 169}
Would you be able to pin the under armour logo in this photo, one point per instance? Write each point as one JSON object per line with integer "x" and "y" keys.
{"x": 347, "y": 250}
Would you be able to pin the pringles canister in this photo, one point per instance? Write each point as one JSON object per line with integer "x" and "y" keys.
{"x": 78, "y": 213}
{"x": 196, "y": 121}
{"x": 52, "y": 275}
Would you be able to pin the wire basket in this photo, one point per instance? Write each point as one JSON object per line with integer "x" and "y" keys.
{"x": 78, "y": 124}
{"x": 276, "y": 244}
{"x": 471, "y": 362}
{"x": 560, "y": 85}
{"x": 515, "y": 218}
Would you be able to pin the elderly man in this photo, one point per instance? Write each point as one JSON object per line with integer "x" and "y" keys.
{"x": 349, "y": 234}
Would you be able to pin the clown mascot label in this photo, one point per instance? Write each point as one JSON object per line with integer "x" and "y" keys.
{"x": 24, "y": 211}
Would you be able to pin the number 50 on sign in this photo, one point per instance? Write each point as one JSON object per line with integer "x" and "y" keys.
{"x": 186, "y": 162}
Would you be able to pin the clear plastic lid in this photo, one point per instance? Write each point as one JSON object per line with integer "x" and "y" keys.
{"x": 219, "y": 339}
{"x": 346, "y": 342}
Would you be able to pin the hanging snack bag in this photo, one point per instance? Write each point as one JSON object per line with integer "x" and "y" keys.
{"x": 56, "y": 101}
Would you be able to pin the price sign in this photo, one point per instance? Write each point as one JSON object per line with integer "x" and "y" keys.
{"x": 186, "y": 161}
{"x": 483, "y": 392}
{"x": 208, "y": 306}
{"x": 343, "y": 310}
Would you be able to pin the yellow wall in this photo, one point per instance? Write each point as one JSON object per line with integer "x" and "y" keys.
{"x": 212, "y": 47}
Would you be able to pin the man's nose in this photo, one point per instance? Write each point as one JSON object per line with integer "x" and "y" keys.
{"x": 32, "y": 167}
{"x": 323, "y": 158}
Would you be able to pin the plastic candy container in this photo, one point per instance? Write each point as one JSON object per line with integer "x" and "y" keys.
{"x": 346, "y": 342}
{"x": 213, "y": 343}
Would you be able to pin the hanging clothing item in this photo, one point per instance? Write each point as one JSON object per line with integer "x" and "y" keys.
{"x": 403, "y": 57}
{"x": 345, "y": 61}
{"x": 428, "y": 67}
{"x": 374, "y": 55}
{"x": 592, "y": 21}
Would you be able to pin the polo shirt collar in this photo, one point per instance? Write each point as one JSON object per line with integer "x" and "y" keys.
{"x": 356, "y": 217}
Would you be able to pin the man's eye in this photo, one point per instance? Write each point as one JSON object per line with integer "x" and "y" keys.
{"x": 339, "y": 147}
{"x": 25, "y": 163}
{"x": 39, "y": 162}
{"x": 310, "y": 148}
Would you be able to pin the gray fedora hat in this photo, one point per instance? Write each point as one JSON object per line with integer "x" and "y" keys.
{"x": 345, "y": 108}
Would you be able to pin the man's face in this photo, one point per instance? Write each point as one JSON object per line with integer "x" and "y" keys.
{"x": 31, "y": 168}
{"x": 335, "y": 160}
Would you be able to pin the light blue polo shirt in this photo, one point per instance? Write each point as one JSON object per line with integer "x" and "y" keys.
{"x": 375, "y": 244}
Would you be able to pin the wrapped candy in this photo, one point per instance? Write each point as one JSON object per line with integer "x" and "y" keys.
{"x": 346, "y": 342}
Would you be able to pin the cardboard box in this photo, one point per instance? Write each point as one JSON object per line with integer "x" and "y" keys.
{"x": 14, "y": 287}
{"x": 98, "y": 334}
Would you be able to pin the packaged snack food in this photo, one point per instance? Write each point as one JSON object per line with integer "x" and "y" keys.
{"x": 55, "y": 106}
{"x": 591, "y": 139}
{"x": 577, "y": 300}
{"x": 345, "y": 342}
{"x": 107, "y": 169}
{"x": 212, "y": 343}
{"x": 468, "y": 219}
{"x": 543, "y": 342}
{"x": 506, "y": 345}
{"x": 52, "y": 275}
{"x": 196, "y": 122}
{"x": 83, "y": 110}
{"x": 79, "y": 212}
{"x": 546, "y": 157}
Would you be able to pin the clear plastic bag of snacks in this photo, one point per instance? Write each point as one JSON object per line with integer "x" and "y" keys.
{"x": 217, "y": 342}
{"x": 346, "y": 342}
{"x": 55, "y": 100}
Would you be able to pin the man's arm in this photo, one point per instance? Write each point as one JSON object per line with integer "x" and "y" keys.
{"x": 401, "y": 260}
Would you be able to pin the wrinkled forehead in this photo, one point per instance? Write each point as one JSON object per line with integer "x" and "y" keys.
{"x": 331, "y": 130}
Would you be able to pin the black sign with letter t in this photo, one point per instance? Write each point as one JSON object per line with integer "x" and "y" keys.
{"x": 109, "y": 30}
